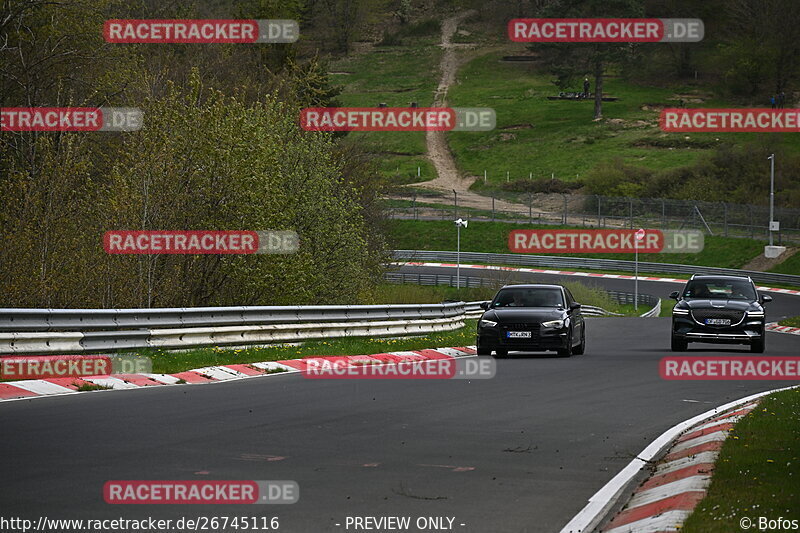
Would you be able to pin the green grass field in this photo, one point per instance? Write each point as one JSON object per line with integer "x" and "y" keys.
{"x": 533, "y": 134}
{"x": 396, "y": 76}
{"x": 790, "y": 266}
{"x": 560, "y": 137}
{"x": 792, "y": 322}
{"x": 757, "y": 473}
{"x": 726, "y": 252}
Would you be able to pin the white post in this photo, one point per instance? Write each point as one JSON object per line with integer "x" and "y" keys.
{"x": 417, "y": 171}
{"x": 636, "y": 279}
{"x": 771, "y": 194}
{"x": 458, "y": 257}
{"x": 638, "y": 236}
{"x": 484, "y": 177}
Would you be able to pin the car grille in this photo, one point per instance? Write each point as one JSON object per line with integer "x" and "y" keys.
{"x": 700, "y": 316}
{"x": 520, "y": 326}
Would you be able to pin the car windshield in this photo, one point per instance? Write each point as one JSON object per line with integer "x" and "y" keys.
{"x": 536, "y": 297}
{"x": 720, "y": 288}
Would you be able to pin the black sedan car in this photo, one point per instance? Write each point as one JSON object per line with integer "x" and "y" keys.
{"x": 719, "y": 309}
{"x": 532, "y": 318}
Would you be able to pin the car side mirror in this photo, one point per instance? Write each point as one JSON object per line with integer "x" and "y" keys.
{"x": 484, "y": 305}
{"x": 574, "y": 305}
{"x": 765, "y": 298}
{"x": 674, "y": 295}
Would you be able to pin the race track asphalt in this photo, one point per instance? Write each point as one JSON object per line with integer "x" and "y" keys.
{"x": 518, "y": 453}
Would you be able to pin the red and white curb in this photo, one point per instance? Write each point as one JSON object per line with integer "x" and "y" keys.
{"x": 666, "y": 499}
{"x": 680, "y": 481}
{"x": 574, "y": 273}
{"x": 774, "y": 326}
{"x": 37, "y": 388}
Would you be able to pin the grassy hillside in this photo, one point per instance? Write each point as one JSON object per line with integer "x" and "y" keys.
{"x": 533, "y": 134}
{"x": 725, "y": 252}
{"x": 395, "y": 75}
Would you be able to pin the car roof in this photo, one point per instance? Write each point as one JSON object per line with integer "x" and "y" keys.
{"x": 721, "y": 276}
{"x": 531, "y": 286}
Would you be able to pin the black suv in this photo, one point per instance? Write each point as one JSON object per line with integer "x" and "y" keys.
{"x": 531, "y": 318}
{"x": 719, "y": 309}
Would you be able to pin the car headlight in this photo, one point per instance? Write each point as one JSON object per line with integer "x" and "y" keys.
{"x": 679, "y": 311}
{"x": 487, "y": 323}
{"x": 553, "y": 324}
{"x": 755, "y": 314}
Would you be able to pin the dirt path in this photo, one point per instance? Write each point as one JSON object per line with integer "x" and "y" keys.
{"x": 447, "y": 175}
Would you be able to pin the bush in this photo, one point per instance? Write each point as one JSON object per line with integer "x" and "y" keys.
{"x": 541, "y": 186}
{"x": 203, "y": 161}
{"x": 422, "y": 28}
{"x": 735, "y": 174}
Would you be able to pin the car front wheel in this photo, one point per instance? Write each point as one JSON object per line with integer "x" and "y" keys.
{"x": 579, "y": 349}
{"x": 678, "y": 344}
{"x": 757, "y": 346}
{"x": 566, "y": 352}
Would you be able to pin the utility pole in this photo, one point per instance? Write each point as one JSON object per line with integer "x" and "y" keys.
{"x": 771, "y": 195}
{"x": 459, "y": 223}
{"x": 639, "y": 235}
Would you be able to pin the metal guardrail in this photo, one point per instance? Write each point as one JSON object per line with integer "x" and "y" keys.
{"x": 586, "y": 263}
{"x": 84, "y": 330}
{"x": 15, "y": 319}
{"x": 473, "y": 309}
{"x": 87, "y": 330}
{"x": 588, "y": 310}
{"x": 440, "y": 279}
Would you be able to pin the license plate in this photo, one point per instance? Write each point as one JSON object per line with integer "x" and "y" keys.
{"x": 718, "y": 321}
{"x": 518, "y": 334}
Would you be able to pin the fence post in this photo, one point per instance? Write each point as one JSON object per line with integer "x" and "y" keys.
{"x": 414, "y": 204}
{"x": 530, "y": 208}
{"x": 630, "y": 210}
{"x": 492, "y": 208}
{"x": 565, "y": 208}
{"x": 455, "y": 203}
{"x": 599, "y": 199}
{"x": 725, "y": 218}
{"x": 663, "y": 214}
{"x": 752, "y": 229}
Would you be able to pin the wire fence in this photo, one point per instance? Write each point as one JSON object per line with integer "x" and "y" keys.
{"x": 714, "y": 218}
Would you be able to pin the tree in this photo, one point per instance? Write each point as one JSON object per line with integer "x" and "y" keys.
{"x": 571, "y": 61}
{"x": 763, "y": 38}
